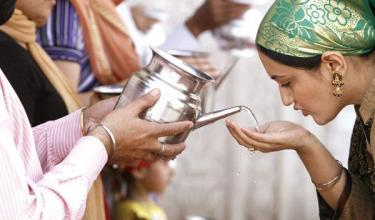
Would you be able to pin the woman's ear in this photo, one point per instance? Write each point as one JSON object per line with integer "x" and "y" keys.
{"x": 334, "y": 62}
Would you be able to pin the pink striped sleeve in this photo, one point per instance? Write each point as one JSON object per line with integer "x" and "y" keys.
{"x": 55, "y": 139}
{"x": 61, "y": 193}
{"x": 26, "y": 192}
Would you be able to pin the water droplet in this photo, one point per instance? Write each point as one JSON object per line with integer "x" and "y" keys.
{"x": 252, "y": 151}
{"x": 238, "y": 173}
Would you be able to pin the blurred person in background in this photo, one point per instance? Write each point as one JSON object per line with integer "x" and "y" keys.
{"x": 210, "y": 15}
{"x": 41, "y": 86}
{"x": 90, "y": 43}
{"x": 141, "y": 182}
{"x": 322, "y": 56}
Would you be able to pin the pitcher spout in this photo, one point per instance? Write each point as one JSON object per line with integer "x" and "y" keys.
{"x": 207, "y": 118}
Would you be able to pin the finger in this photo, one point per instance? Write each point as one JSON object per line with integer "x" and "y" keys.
{"x": 247, "y": 141}
{"x": 172, "y": 150}
{"x": 265, "y": 144}
{"x": 239, "y": 140}
{"x": 262, "y": 137}
{"x": 144, "y": 102}
{"x": 109, "y": 103}
{"x": 170, "y": 129}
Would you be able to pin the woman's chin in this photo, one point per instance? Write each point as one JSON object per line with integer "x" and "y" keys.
{"x": 320, "y": 121}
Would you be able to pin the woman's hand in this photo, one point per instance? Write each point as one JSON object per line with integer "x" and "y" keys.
{"x": 136, "y": 139}
{"x": 273, "y": 136}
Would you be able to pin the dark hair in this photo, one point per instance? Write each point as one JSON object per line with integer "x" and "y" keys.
{"x": 309, "y": 63}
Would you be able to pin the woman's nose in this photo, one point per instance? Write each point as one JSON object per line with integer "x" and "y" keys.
{"x": 286, "y": 97}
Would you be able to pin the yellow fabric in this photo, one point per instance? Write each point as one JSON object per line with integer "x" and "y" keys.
{"x": 23, "y": 30}
{"x": 131, "y": 210}
{"x": 95, "y": 202}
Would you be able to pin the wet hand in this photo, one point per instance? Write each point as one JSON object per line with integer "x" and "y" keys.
{"x": 273, "y": 136}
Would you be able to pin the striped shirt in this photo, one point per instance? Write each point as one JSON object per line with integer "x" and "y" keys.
{"x": 62, "y": 39}
{"x": 45, "y": 172}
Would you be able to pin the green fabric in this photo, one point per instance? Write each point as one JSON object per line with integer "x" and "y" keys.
{"x": 306, "y": 28}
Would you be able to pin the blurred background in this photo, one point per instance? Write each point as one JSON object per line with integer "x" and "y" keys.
{"x": 215, "y": 177}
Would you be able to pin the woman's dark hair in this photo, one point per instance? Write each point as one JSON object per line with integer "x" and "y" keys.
{"x": 309, "y": 63}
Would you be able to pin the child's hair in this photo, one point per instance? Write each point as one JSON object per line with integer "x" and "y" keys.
{"x": 128, "y": 177}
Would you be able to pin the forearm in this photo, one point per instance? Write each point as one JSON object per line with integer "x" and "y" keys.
{"x": 55, "y": 139}
{"x": 71, "y": 70}
{"x": 323, "y": 167}
{"x": 58, "y": 194}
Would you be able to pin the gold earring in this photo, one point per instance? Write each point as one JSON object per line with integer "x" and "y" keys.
{"x": 337, "y": 82}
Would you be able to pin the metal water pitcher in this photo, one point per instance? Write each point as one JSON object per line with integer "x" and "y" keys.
{"x": 180, "y": 86}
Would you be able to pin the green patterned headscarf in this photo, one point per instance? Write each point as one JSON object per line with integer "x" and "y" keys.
{"x": 306, "y": 28}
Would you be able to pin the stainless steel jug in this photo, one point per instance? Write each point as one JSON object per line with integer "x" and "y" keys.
{"x": 180, "y": 86}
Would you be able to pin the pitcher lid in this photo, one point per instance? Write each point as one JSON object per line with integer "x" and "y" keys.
{"x": 182, "y": 65}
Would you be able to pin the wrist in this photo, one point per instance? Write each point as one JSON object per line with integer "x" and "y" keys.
{"x": 309, "y": 144}
{"x": 86, "y": 121}
{"x": 103, "y": 137}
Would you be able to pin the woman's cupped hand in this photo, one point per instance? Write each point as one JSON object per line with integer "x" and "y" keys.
{"x": 272, "y": 136}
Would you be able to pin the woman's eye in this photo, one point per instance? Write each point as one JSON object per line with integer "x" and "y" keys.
{"x": 285, "y": 84}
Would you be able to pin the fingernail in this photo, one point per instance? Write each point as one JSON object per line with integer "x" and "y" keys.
{"x": 155, "y": 92}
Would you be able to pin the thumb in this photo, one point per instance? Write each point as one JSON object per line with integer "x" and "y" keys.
{"x": 144, "y": 102}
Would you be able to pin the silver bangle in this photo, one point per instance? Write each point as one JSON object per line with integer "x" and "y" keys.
{"x": 331, "y": 183}
{"x": 110, "y": 134}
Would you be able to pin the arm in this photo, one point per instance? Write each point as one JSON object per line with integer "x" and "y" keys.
{"x": 210, "y": 15}
{"x": 28, "y": 193}
{"x": 65, "y": 46}
{"x": 276, "y": 136}
{"x": 72, "y": 71}
{"x": 58, "y": 194}
{"x": 55, "y": 139}
{"x": 214, "y": 13}
{"x": 324, "y": 170}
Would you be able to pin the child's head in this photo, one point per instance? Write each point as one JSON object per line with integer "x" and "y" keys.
{"x": 153, "y": 177}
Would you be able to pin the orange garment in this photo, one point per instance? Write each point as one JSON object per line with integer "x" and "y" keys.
{"x": 111, "y": 51}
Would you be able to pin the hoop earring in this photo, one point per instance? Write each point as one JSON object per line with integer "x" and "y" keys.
{"x": 337, "y": 83}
